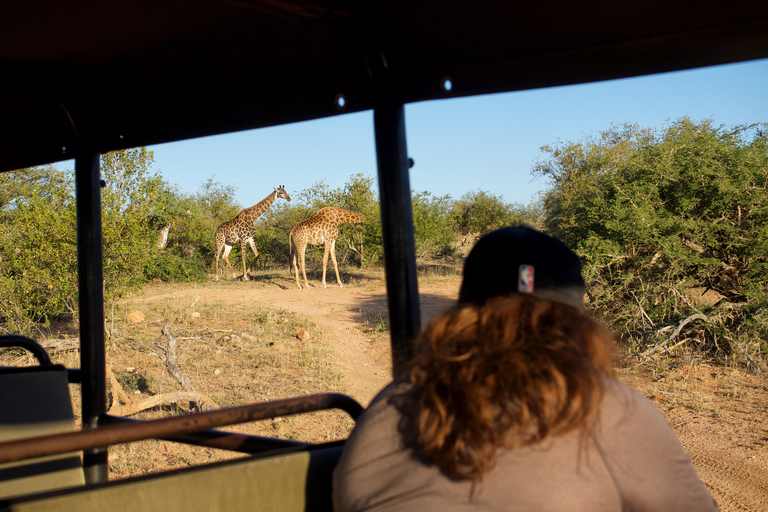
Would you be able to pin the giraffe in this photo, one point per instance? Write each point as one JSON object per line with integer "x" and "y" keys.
{"x": 321, "y": 228}
{"x": 241, "y": 229}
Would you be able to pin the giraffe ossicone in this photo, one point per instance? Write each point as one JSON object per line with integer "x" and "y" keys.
{"x": 320, "y": 229}
{"x": 241, "y": 229}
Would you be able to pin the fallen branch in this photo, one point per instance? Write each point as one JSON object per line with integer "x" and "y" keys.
{"x": 53, "y": 346}
{"x": 164, "y": 399}
{"x": 676, "y": 329}
{"x": 129, "y": 408}
{"x": 117, "y": 391}
{"x": 169, "y": 358}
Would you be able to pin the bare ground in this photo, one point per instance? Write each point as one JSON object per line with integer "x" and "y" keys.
{"x": 719, "y": 414}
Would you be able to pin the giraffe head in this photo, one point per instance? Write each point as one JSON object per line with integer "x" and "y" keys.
{"x": 282, "y": 193}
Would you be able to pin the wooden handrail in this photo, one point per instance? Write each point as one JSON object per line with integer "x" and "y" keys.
{"x": 220, "y": 439}
{"x": 21, "y": 449}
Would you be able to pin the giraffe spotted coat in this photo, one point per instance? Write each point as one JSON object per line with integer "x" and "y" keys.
{"x": 320, "y": 229}
{"x": 240, "y": 230}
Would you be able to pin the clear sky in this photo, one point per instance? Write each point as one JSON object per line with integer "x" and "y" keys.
{"x": 459, "y": 145}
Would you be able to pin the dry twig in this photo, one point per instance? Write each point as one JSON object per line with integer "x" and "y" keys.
{"x": 676, "y": 329}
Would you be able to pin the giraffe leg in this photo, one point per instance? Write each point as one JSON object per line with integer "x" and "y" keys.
{"x": 325, "y": 262}
{"x": 303, "y": 264}
{"x": 335, "y": 265}
{"x": 221, "y": 243}
{"x": 255, "y": 253}
{"x": 296, "y": 268}
{"x": 216, "y": 260}
{"x": 244, "y": 255}
{"x": 225, "y": 257}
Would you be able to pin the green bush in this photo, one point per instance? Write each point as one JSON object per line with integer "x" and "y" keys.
{"x": 37, "y": 250}
{"x": 171, "y": 267}
{"x": 433, "y": 230}
{"x": 662, "y": 218}
{"x": 357, "y": 195}
{"x": 480, "y": 213}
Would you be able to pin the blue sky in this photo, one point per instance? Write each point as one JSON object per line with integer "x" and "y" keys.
{"x": 460, "y": 145}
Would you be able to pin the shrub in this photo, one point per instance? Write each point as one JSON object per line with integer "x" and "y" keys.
{"x": 660, "y": 218}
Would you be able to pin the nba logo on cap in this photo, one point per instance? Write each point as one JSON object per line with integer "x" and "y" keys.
{"x": 525, "y": 279}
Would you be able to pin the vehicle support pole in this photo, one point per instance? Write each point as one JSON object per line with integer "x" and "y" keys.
{"x": 397, "y": 230}
{"x": 91, "y": 285}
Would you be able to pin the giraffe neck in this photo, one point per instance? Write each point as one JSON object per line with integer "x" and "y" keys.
{"x": 254, "y": 212}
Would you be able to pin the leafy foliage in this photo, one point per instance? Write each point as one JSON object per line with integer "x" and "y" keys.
{"x": 192, "y": 221}
{"x": 480, "y": 212}
{"x": 662, "y": 218}
{"x": 38, "y": 266}
{"x": 357, "y": 195}
{"x": 131, "y": 201}
{"x": 433, "y": 232}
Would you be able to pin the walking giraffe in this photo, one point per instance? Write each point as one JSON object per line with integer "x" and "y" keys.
{"x": 321, "y": 228}
{"x": 241, "y": 229}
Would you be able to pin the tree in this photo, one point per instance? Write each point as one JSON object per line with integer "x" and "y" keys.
{"x": 193, "y": 220}
{"x": 661, "y": 217}
{"x": 38, "y": 252}
{"x": 481, "y": 212}
{"x": 359, "y": 195}
{"x": 432, "y": 225}
{"x": 131, "y": 202}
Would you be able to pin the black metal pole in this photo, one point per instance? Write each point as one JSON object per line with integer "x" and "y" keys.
{"x": 397, "y": 230}
{"x": 91, "y": 285}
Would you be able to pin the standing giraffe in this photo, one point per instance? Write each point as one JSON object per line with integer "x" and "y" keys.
{"x": 241, "y": 229}
{"x": 321, "y": 228}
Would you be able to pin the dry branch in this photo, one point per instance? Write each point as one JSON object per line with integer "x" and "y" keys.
{"x": 117, "y": 391}
{"x": 676, "y": 329}
{"x": 642, "y": 311}
{"x": 164, "y": 399}
{"x": 169, "y": 358}
{"x": 168, "y": 355}
{"x": 54, "y": 346}
{"x": 129, "y": 408}
{"x": 704, "y": 252}
{"x": 357, "y": 251}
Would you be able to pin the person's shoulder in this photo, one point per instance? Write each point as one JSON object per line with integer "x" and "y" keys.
{"x": 642, "y": 451}
{"x": 381, "y": 409}
{"x": 625, "y": 408}
{"x": 385, "y": 397}
{"x": 619, "y": 394}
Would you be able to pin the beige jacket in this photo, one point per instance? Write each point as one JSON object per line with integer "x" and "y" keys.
{"x": 633, "y": 462}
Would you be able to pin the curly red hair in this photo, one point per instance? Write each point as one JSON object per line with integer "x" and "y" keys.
{"x": 504, "y": 374}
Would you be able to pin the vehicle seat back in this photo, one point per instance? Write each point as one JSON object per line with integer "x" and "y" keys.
{"x": 35, "y": 402}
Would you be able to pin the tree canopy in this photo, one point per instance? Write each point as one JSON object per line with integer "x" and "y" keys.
{"x": 669, "y": 224}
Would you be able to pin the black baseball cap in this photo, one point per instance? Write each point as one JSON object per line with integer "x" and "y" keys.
{"x": 522, "y": 260}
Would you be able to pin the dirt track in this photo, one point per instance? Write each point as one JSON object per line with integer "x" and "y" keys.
{"x": 719, "y": 414}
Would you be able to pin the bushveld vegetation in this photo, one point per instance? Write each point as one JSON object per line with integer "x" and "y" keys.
{"x": 670, "y": 224}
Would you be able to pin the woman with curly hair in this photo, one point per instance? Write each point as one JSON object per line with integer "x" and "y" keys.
{"x": 510, "y": 404}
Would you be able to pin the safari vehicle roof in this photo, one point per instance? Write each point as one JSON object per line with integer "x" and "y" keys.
{"x": 123, "y": 74}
